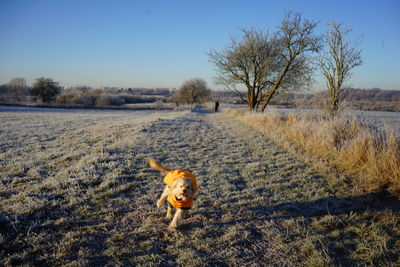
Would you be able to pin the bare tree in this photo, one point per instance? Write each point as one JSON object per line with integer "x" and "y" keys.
{"x": 192, "y": 91}
{"x": 336, "y": 63}
{"x": 297, "y": 44}
{"x": 249, "y": 62}
{"x": 264, "y": 63}
{"x": 18, "y": 88}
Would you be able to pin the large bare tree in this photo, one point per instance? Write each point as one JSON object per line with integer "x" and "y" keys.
{"x": 336, "y": 63}
{"x": 247, "y": 62}
{"x": 266, "y": 63}
{"x": 295, "y": 61}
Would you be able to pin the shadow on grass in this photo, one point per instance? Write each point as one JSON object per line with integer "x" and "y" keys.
{"x": 379, "y": 201}
{"x": 374, "y": 202}
{"x": 54, "y": 221}
{"x": 360, "y": 210}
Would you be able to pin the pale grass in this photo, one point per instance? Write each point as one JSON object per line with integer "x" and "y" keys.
{"x": 370, "y": 155}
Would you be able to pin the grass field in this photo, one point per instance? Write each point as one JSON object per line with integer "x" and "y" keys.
{"x": 76, "y": 190}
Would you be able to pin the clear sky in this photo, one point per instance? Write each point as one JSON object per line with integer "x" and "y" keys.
{"x": 151, "y": 43}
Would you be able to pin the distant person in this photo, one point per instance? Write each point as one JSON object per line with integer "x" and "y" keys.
{"x": 216, "y": 105}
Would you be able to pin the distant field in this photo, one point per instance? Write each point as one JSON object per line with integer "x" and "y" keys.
{"x": 75, "y": 189}
{"x": 376, "y": 118}
{"x": 380, "y": 118}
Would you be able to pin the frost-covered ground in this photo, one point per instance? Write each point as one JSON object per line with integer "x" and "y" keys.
{"x": 380, "y": 118}
{"x": 76, "y": 189}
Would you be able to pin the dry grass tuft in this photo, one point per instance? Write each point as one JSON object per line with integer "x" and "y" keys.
{"x": 370, "y": 154}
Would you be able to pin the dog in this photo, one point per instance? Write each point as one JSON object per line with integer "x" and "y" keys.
{"x": 179, "y": 192}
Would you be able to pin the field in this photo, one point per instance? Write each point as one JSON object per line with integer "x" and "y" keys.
{"x": 76, "y": 190}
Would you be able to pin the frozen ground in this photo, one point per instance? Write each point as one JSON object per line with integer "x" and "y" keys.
{"x": 76, "y": 189}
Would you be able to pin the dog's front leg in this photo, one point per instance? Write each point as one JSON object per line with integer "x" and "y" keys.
{"x": 169, "y": 213}
{"x": 164, "y": 195}
{"x": 176, "y": 221}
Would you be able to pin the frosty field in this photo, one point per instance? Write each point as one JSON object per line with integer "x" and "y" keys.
{"x": 75, "y": 189}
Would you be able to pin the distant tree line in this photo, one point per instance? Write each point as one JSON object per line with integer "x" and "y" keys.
{"x": 374, "y": 94}
{"x": 46, "y": 90}
{"x": 98, "y": 97}
{"x": 17, "y": 90}
{"x": 354, "y": 98}
{"x": 147, "y": 91}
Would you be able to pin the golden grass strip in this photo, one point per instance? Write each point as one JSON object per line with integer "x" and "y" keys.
{"x": 370, "y": 155}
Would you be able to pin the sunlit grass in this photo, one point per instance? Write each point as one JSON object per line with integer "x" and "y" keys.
{"x": 369, "y": 154}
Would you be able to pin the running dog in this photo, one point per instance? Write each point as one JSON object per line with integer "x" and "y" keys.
{"x": 179, "y": 191}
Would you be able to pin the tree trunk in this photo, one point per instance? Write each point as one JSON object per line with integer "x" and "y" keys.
{"x": 277, "y": 85}
{"x": 334, "y": 107}
{"x": 268, "y": 99}
{"x": 251, "y": 101}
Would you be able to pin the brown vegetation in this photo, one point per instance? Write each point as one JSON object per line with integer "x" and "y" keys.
{"x": 99, "y": 97}
{"x": 356, "y": 99}
{"x": 47, "y": 92}
{"x": 370, "y": 155}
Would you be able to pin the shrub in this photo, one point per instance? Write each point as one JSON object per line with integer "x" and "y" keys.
{"x": 109, "y": 100}
{"x": 137, "y": 99}
{"x": 90, "y": 98}
{"x": 191, "y": 92}
{"x": 46, "y": 89}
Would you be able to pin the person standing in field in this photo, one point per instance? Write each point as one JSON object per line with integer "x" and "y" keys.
{"x": 216, "y": 105}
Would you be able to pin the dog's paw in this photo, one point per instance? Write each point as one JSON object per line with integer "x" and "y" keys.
{"x": 171, "y": 228}
{"x": 160, "y": 204}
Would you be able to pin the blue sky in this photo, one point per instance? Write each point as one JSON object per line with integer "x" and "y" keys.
{"x": 163, "y": 43}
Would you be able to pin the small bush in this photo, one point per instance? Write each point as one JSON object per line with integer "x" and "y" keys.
{"x": 137, "y": 99}
{"x": 191, "y": 92}
{"x": 109, "y": 100}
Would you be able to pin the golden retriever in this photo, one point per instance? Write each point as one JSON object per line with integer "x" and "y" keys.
{"x": 179, "y": 191}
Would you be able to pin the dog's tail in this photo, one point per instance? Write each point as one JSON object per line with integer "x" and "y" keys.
{"x": 154, "y": 164}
